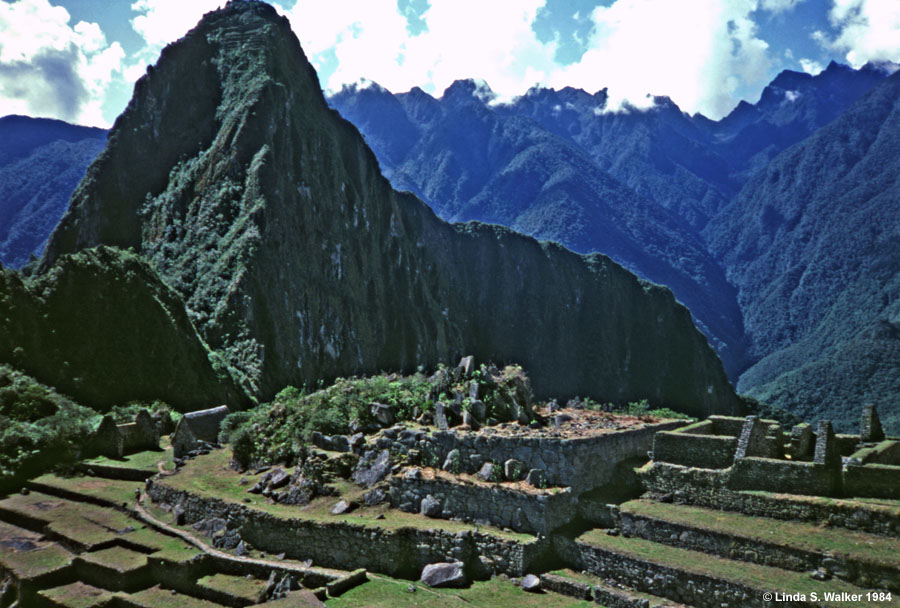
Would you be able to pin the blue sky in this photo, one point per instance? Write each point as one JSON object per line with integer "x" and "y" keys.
{"x": 78, "y": 59}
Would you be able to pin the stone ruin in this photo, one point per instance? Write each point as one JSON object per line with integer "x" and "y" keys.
{"x": 118, "y": 440}
{"x": 754, "y": 454}
{"x": 197, "y": 429}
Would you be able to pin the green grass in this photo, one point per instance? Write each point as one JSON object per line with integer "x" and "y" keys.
{"x": 237, "y": 586}
{"x": 112, "y": 491}
{"x": 383, "y": 592}
{"x": 25, "y": 565}
{"x": 763, "y": 578}
{"x": 156, "y": 597}
{"x": 76, "y": 595}
{"x": 119, "y": 559}
{"x": 142, "y": 461}
{"x": 808, "y": 537}
{"x": 211, "y": 476}
{"x": 86, "y": 525}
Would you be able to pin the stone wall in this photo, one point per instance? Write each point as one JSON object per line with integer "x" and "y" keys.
{"x": 872, "y": 480}
{"x": 885, "y": 452}
{"x": 785, "y": 476}
{"x": 580, "y": 463}
{"x": 117, "y": 440}
{"x": 870, "y": 574}
{"x": 531, "y": 512}
{"x": 399, "y": 552}
{"x": 706, "y": 451}
{"x": 694, "y": 589}
{"x": 708, "y": 488}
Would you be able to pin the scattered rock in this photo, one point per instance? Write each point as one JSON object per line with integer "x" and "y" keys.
{"x": 369, "y": 475}
{"x": 375, "y": 496}
{"x": 440, "y": 416}
{"x": 444, "y": 574}
{"x": 342, "y": 507}
{"x": 466, "y": 366}
{"x": 536, "y": 478}
{"x": 487, "y": 471}
{"x": 178, "y": 512}
{"x": 277, "y": 478}
{"x": 411, "y": 589}
{"x": 241, "y": 550}
{"x": 531, "y": 583}
{"x": 469, "y": 420}
{"x": 341, "y": 443}
{"x": 383, "y": 414}
{"x": 513, "y": 469}
{"x": 210, "y": 526}
{"x": 413, "y": 474}
{"x": 452, "y": 462}
{"x": 431, "y": 506}
{"x": 561, "y": 419}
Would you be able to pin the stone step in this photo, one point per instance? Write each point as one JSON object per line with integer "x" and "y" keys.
{"x": 701, "y": 579}
{"x": 77, "y": 526}
{"x": 75, "y": 595}
{"x": 114, "y": 569}
{"x": 155, "y": 597}
{"x": 867, "y": 560}
{"x": 584, "y": 586}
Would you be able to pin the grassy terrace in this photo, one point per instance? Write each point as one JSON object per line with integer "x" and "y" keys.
{"x": 210, "y": 476}
{"x": 808, "y": 537}
{"x": 118, "y": 559}
{"x": 90, "y": 489}
{"x": 27, "y": 565}
{"x": 157, "y": 597}
{"x": 84, "y": 525}
{"x": 142, "y": 461}
{"x": 383, "y": 592}
{"x": 596, "y": 581}
{"x": 762, "y": 578}
{"x": 76, "y": 595}
{"x": 237, "y": 586}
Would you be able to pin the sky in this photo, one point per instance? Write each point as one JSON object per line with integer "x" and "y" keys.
{"x": 77, "y": 60}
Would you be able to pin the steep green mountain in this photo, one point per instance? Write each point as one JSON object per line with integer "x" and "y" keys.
{"x": 298, "y": 262}
{"x": 41, "y": 162}
{"x": 102, "y": 328}
{"x": 638, "y": 186}
{"x": 813, "y": 246}
{"x": 471, "y": 162}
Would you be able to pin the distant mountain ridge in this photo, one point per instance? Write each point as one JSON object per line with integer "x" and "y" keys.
{"x": 41, "y": 162}
{"x": 638, "y": 186}
{"x": 647, "y": 188}
{"x": 813, "y": 246}
{"x": 298, "y": 263}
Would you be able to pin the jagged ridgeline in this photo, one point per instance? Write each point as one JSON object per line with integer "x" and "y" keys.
{"x": 298, "y": 262}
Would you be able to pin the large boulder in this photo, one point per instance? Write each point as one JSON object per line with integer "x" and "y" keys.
{"x": 444, "y": 574}
{"x": 369, "y": 474}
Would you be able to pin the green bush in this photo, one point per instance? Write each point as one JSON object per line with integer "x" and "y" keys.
{"x": 39, "y": 428}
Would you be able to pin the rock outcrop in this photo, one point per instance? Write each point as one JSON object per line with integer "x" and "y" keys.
{"x": 298, "y": 262}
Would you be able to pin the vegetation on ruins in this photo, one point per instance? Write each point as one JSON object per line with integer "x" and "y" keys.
{"x": 276, "y": 431}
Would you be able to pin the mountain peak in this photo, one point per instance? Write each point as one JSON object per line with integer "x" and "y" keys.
{"x": 297, "y": 262}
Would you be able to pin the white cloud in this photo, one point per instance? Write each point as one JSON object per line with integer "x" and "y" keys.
{"x": 698, "y": 53}
{"x": 868, "y": 30}
{"x": 49, "y": 68}
{"x": 370, "y": 39}
{"x": 811, "y": 67}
